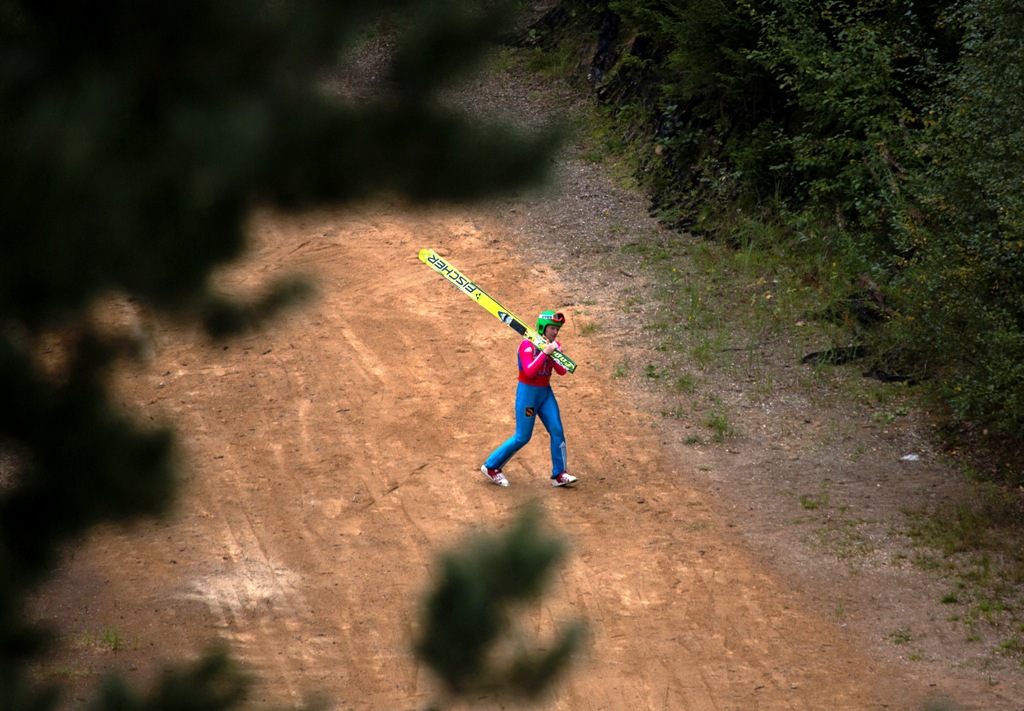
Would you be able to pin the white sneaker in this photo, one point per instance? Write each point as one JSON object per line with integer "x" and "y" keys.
{"x": 495, "y": 475}
{"x": 563, "y": 479}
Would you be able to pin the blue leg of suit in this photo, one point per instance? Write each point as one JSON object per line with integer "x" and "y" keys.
{"x": 533, "y": 402}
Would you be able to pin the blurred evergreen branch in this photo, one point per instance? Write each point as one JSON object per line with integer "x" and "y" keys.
{"x": 469, "y": 638}
{"x": 136, "y": 140}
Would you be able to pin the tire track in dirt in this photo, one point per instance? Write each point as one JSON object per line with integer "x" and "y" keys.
{"x": 383, "y": 458}
{"x": 259, "y": 593}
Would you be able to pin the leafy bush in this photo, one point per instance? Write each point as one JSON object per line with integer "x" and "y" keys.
{"x": 711, "y": 96}
{"x": 961, "y": 303}
{"x": 882, "y": 138}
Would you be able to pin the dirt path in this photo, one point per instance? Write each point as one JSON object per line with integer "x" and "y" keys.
{"x": 331, "y": 459}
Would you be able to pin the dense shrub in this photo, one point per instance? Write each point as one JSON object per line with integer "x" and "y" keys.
{"x": 713, "y": 99}
{"x": 962, "y": 303}
{"x": 885, "y": 137}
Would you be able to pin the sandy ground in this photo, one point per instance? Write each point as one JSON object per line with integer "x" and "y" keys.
{"x": 330, "y": 459}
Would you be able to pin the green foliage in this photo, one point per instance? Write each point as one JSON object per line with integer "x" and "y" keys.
{"x": 468, "y": 638}
{"x": 137, "y": 139}
{"x": 852, "y": 72}
{"x": 164, "y": 142}
{"x": 961, "y": 304}
{"x": 704, "y": 92}
{"x": 882, "y": 139}
{"x": 717, "y": 420}
{"x": 695, "y": 37}
{"x": 787, "y": 109}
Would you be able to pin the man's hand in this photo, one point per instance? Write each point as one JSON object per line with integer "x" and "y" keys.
{"x": 551, "y": 347}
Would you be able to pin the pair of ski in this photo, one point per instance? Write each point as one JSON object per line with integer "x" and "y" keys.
{"x": 466, "y": 285}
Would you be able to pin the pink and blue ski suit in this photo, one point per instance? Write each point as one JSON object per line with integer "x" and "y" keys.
{"x": 534, "y": 398}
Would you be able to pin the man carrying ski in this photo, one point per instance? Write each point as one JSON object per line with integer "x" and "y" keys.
{"x": 535, "y": 398}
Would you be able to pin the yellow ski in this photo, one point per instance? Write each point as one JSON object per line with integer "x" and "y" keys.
{"x": 465, "y": 284}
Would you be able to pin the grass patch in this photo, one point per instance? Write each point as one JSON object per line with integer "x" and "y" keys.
{"x": 977, "y": 541}
{"x": 987, "y": 520}
{"x": 109, "y": 640}
{"x": 550, "y": 63}
{"x": 676, "y": 413}
{"x": 717, "y": 420}
{"x": 812, "y": 502}
{"x": 901, "y": 636}
{"x": 655, "y": 372}
{"x": 1012, "y": 646}
{"x": 686, "y": 383}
